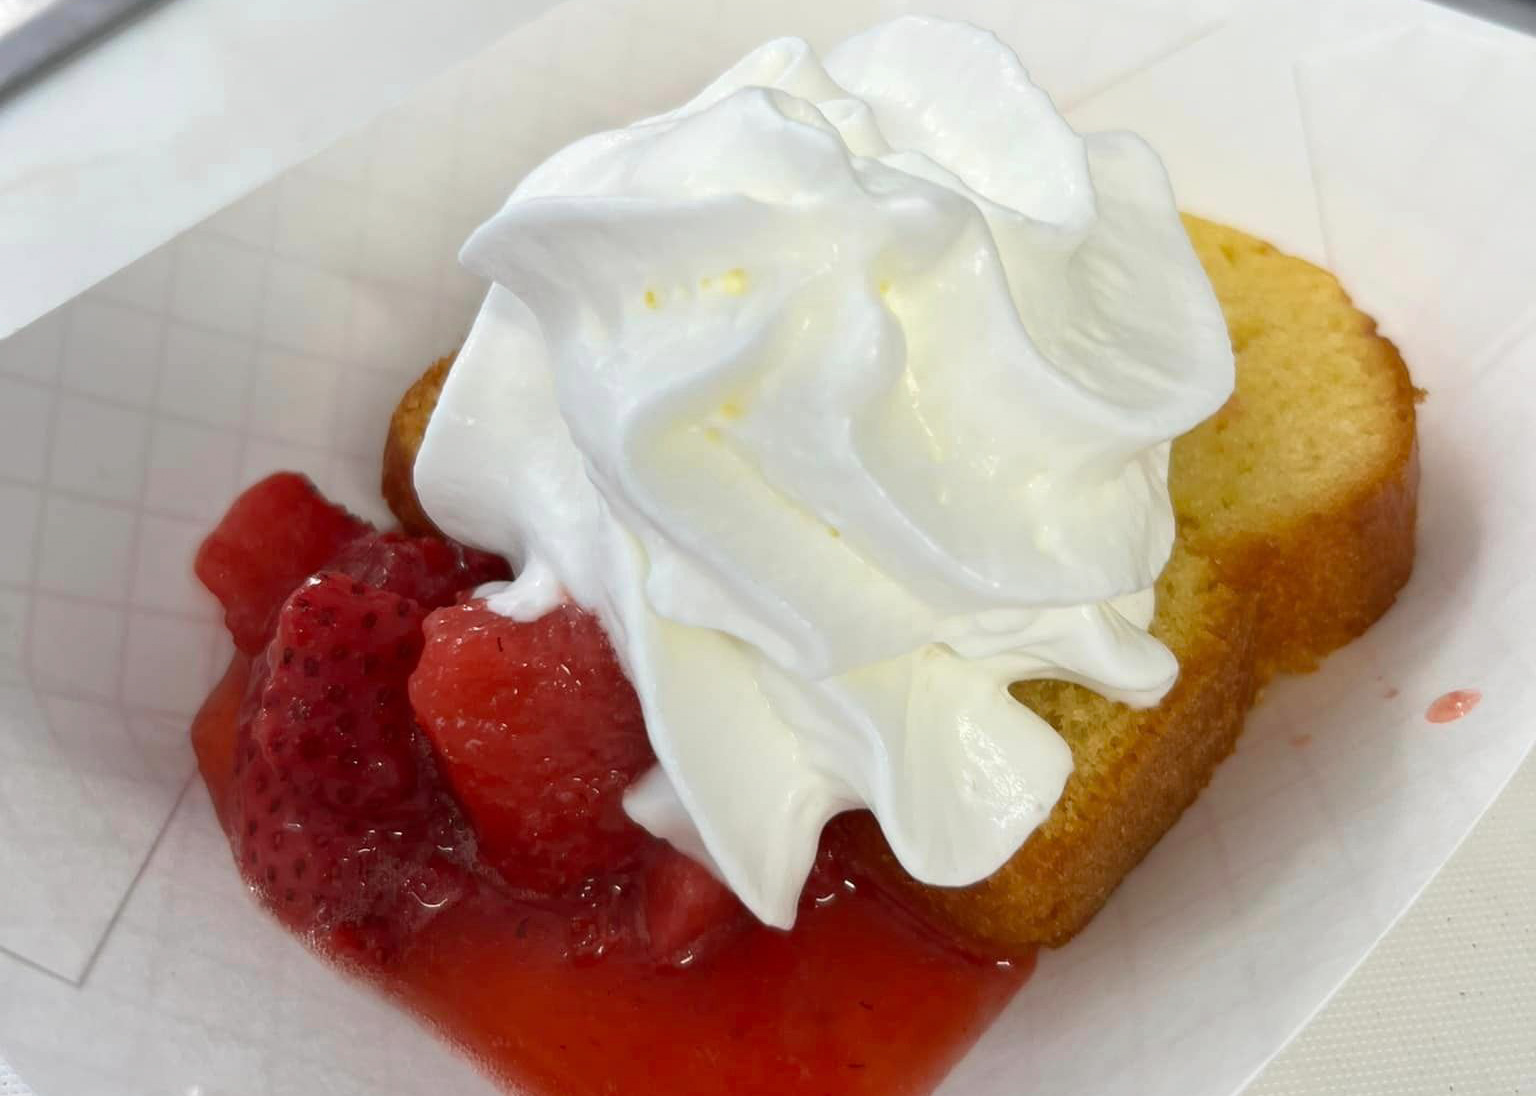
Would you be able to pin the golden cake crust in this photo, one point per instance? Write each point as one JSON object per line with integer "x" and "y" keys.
{"x": 1329, "y": 558}
{"x": 407, "y": 426}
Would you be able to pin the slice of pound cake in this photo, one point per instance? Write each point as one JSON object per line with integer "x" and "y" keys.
{"x": 1296, "y": 507}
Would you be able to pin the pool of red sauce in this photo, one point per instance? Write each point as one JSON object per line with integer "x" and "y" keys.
{"x": 856, "y": 1000}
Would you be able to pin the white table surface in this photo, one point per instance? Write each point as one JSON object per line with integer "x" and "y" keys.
{"x": 1446, "y": 1003}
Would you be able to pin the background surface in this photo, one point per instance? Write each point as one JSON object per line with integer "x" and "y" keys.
{"x": 1447, "y": 1001}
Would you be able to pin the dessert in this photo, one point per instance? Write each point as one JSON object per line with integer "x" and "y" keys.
{"x": 801, "y": 424}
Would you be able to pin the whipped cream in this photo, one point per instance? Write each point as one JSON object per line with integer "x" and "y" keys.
{"x": 843, "y": 394}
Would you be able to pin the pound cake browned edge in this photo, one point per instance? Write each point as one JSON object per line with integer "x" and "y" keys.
{"x": 407, "y": 426}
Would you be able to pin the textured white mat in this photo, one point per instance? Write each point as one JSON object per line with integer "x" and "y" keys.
{"x": 1447, "y": 1001}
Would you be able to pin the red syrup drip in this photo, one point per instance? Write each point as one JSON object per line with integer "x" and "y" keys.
{"x": 1453, "y": 705}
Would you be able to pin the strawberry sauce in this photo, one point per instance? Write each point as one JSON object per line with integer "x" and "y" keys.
{"x": 430, "y": 795}
{"x": 857, "y": 999}
{"x": 852, "y": 1001}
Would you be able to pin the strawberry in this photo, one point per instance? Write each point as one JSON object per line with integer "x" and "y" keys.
{"x": 274, "y": 536}
{"x": 334, "y": 716}
{"x": 686, "y": 907}
{"x": 539, "y": 733}
{"x": 431, "y": 571}
{"x": 336, "y": 813}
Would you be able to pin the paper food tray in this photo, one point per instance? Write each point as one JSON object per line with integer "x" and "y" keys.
{"x": 1390, "y": 141}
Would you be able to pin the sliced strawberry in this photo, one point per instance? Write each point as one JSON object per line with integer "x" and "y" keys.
{"x": 274, "y": 536}
{"x": 334, "y": 716}
{"x": 431, "y": 571}
{"x": 686, "y": 907}
{"x": 539, "y": 733}
{"x": 336, "y": 813}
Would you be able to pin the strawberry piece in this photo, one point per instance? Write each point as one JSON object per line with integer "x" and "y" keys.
{"x": 431, "y": 571}
{"x": 334, "y": 717}
{"x": 275, "y": 535}
{"x": 336, "y": 813}
{"x": 539, "y": 733}
{"x": 685, "y": 907}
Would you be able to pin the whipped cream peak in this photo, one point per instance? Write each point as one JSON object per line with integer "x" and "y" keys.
{"x": 843, "y": 395}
